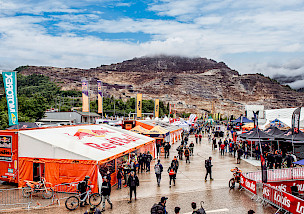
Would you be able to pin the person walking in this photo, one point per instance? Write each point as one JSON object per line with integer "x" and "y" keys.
{"x": 119, "y": 177}
{"x": 126, "y": 170}
{"x": 158, "y": 145}
{"x": 219, "y": 144}
{"x": 105, "y": 193}
{"x": 180, "y": 152}
{"x": 222, "y": 149}
{"x": 196, "y": 138}
{"x": 239, "y": 155}
{"x": 175, "y": 163}
{"x": 158, "y": 168}
{"x": 172, "y": 174}
{"x": 187, "y": 154}
{"x": 191, "y": 146}
{"x": 200, "y": 136}
{"x": 140, "y": 162}
{"x": 148, "y": 161}
{"x": 208, "y": 166}
{"x": 133, "y": 182}
{"x": 167, "y": 149}
{"x": 214, "y": 143}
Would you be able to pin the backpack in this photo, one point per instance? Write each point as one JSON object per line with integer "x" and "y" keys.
{"x": 206, "y": 163}
{"x": 81, "y": 186}
{"x": 157, "y": 169}
{"x": 157, "y": 209}
{"x": 171, "y": 172}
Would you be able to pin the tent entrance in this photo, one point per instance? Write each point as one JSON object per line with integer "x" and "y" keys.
{"x": 38, "y": 171}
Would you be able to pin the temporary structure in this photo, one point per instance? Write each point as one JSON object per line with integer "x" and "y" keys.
{"x": 138, "y": 129}
{"x": 68, "y": 154}
{"x": 242, "y": 119}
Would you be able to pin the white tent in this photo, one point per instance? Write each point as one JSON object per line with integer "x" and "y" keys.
{"x": 88, "y": 142}
{"x": 284, "y": 115}
{"x": 166, "y": 119}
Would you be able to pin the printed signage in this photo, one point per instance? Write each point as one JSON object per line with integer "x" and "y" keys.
{"x": 5, "y": 148}
{"x": 10, "y": 85}
{"x": 248, "y": 184}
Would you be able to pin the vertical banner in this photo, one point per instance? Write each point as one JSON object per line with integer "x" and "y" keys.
{"x": 170, "y": 111}
{"x": 10, "y": 85}
{"x": 296, "y": 121}
{"x": 138, "y": 105}
{"x": 174, "y": 116}
{"x": 100, "y": 96}
{"x": 156, "y": 108}
{"x": 85, "y": 95}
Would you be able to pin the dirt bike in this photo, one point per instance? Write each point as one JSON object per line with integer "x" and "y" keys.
{"x": 236, "y": 179}
{"x": 33, "y": 187}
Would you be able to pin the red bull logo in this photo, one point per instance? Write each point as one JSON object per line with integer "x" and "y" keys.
{"x": 81, "y": 133}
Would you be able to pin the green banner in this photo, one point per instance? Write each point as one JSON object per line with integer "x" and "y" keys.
{"x": 10, "y": 85}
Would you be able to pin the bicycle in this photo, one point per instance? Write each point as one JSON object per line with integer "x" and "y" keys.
{"x": 72, "y": 202}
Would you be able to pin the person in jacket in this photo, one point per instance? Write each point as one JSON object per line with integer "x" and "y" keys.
{"x": 119, "y": 177}
{"x": 167, "y": 149}
{"x": 148, "y": 161}
{"x": 158, "y": 168}
{"x": 105, "y": 193}
{"x": 133, "y": 182}
{"x": 187, "y": 154}
{"x": 172, "y": 174}
{"x": 82, "y": 188}
{"x": 175, "y": 163}
{"x": 208, "y": 166}
{"x": 191, "y": 146}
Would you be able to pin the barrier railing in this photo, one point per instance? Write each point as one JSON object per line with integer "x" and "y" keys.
{"x": 14, "y": 198}
{"x": 282, "y": 200}
{"x": 277, "y": 174}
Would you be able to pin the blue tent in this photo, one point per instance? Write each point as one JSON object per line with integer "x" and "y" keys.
{"x": 245, "y": 120}
{"x": 300, "y": 162}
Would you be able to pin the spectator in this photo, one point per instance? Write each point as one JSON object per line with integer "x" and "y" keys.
{"x": 133, "y": 182}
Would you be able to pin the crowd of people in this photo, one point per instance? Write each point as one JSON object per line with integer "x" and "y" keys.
{"x": 224, "y": 144}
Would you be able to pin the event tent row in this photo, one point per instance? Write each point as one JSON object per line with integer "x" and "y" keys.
{"x": 67, "y": 154}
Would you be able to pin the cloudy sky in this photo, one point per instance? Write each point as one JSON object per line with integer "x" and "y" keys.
{"x": 248, "y": 35}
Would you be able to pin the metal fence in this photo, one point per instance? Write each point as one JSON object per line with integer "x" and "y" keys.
{"x": 277, "y": 174}
{"x": 16, "y": 199}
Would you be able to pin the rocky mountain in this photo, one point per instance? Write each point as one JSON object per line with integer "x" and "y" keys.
{"x": 193, "y": 84}
{"x": 291, "y": 80}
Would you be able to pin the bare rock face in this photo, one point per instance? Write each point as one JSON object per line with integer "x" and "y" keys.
{"x": 193, "y": 84}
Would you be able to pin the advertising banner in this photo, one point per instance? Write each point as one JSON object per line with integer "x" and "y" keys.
{"x": 295, "y": 122}
{"x": 248, "y": 184}
{"x": 170, "y": 111}
{"x": 100, "y": 96}
{"x": 10, "y": 86}
{"x": 286, "y": 185}
{"x": 85, "y": 96}
{"x": 139, "y": 105}
{"x": 156, "y": 108}
{"x": 283, "y": 199}
{"x": 5, "y": 148}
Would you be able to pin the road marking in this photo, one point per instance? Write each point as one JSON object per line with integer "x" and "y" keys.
{"x": 214, "y": 211}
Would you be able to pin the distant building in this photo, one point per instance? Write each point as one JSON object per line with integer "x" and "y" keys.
{"x": 70, "y": 118}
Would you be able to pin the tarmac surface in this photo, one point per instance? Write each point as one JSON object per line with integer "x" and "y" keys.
{"x": 190, "y": 187}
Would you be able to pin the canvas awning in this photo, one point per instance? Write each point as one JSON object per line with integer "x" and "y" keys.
{"x": 255, "y": 134}
{"x": 242, "y": 119}
{"x": 86, "y": 142}
{"x": 138, "y": 129}
{"x": 273, "y": 131}
{"x": 157, "y": 130}
{"x": 288, "y": 136}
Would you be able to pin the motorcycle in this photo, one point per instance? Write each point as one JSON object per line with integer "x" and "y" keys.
{"x": 33, "y": 187}
{"x": 236, "y": 179}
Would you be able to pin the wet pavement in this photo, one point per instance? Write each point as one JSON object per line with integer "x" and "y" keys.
{"x": 190, "y": 187}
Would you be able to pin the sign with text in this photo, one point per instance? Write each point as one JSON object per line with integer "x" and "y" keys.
{"x": 248, "y": 184}
{"x": 5, "y": 148}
